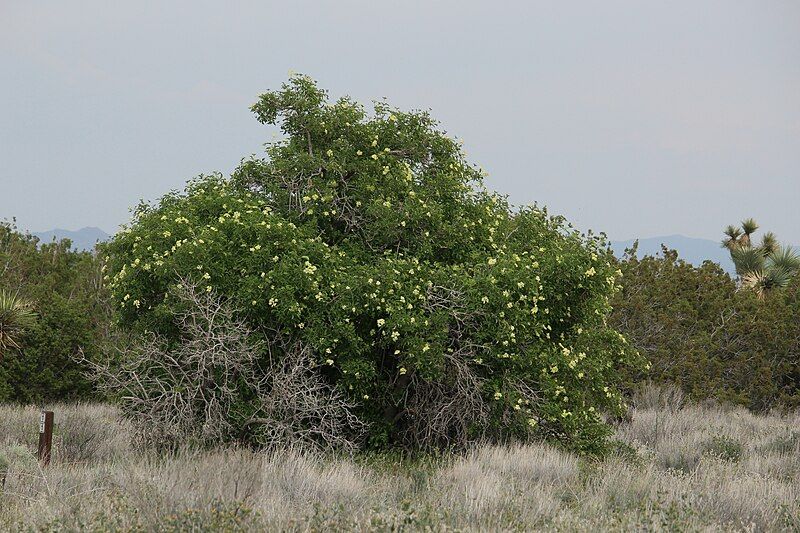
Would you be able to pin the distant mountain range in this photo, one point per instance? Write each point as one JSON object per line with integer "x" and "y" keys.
{"x": 82, "y": 239}
{"x": 692, "y": 250}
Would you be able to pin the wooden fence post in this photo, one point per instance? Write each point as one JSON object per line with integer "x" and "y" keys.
{"x": 45, "y": 437}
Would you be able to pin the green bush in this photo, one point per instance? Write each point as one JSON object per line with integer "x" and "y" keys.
{"x": 446, "y": 314}
{"x": 724, "y": 447}
{"x": 710, "y": 339}
{"x": 72, "y": 316}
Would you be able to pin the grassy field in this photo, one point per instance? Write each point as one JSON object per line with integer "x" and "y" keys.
{"x": 675, "y": 468}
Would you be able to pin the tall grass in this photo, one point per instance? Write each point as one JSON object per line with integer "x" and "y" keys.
{"x": 674, "y": 467}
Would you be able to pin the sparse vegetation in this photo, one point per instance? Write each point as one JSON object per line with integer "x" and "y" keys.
{"x": 675, "y": 468}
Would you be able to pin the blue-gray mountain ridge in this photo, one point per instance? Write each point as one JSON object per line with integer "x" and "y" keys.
{"x": 82, "y": 239}
{"x": 691, "y": 250}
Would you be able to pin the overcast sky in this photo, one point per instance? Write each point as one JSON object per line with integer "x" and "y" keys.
{"x": 630, "y": 117}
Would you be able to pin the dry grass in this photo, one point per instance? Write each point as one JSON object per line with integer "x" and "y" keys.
{"x": 675, "y": 468}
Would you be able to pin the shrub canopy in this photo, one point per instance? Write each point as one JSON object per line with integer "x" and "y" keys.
{"x": 65, "y": 291}
{"x": 444, "y": 312}
{"x": 712, "y": 340}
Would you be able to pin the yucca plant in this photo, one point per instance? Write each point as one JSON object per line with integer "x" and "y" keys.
{"x": 16, "y": 316}
{"x": 733, "y": 234}
{"x": 749, "y": 226}
{"x": 764, "y": 281}
{"x": 784, "y": 258}
{"x": 763, "y": 268}
{"x": 769, "y": 244}
{"x": 747, "y": 260}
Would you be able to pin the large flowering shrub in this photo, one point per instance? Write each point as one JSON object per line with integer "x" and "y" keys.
{"x": 446, "y": 314}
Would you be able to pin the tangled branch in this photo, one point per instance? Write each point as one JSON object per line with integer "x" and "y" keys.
{"x": 217, "y": 385}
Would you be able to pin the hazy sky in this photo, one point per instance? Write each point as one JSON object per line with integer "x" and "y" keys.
{"x": 637, "y": 118}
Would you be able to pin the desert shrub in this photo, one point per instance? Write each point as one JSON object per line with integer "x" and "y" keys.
{"x": 67, "y": 294}
{"x": 211, "y": 385}
{"x": 443, "y": 312}
{"x": 723, "y": 447}
{"x": 625, "y": 452}
{"x": 649, "y": 395}
{"x": 786, "y": 444}
{"x": 703, "y": 335}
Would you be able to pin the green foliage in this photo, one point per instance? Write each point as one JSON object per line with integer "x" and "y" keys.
{"x": 733, "y": 234}
{"x": 749, "y": 226}
{"x": 762, "y": 268}
{"x": 625, "y": 452}
{"x": 16, "y": 317}
{"x": 699, "y": 332}
{"x": 64, "y": 290}
{"x": 218, "y": 516}
{"x": 370, "y": 239}
{"x": 769, "y": 243}
{"x": 747, "y": 260}
{"x": 724, "y": 447}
